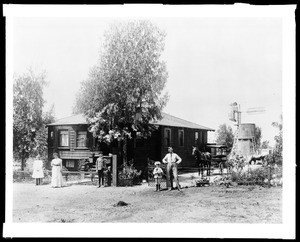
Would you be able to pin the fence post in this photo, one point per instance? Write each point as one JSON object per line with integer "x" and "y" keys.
{"x": 114, "y": 170}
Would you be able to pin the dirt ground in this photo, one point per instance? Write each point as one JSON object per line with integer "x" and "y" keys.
{"x": 88, "y": 203}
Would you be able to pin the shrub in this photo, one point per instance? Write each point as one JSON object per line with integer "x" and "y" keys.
{"x": 129, "y": 172}
{"x": 237, "y": 176}
{"x": 258, "y": 176}
{"x": 274, "y": 158}
{"x": 237, "y": 161}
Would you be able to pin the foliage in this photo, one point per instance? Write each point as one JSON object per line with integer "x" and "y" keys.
{"x": 237, "y": 161}
{"x": 265, "y": 144}
{"x": 225, "y": 136}
{"x": 28, "y": 119}
{"x": 259, "y": 176}
{"x": 129, "y": 172}
{"x": 277, "y": 152}
{"x": 124, "y": 90}
{"x": 274, "y": 158}
{"x": 257, "y": 136}
{"x": 82, "y": 164}
{"x": 224, "y": 180}
{"x": 41, "y": 144}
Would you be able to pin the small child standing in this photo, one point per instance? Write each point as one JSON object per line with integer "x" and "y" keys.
{"x": 157, "y": 172}
{"x": 108, "y": 176}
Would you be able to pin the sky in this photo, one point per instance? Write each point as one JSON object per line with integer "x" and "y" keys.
{"x": 211, "y": 63}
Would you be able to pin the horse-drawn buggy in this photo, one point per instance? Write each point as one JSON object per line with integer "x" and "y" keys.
{"x": 218, "y": 156}
{"x": 214, "y": 158}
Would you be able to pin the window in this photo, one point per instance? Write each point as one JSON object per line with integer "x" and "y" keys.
{"x": 64, "y": 138}
{"x": 167, "y": 137}
{"x": 81, "y": 138}
{"x": 70, "y": 164}
{"x": 181, "y": 137}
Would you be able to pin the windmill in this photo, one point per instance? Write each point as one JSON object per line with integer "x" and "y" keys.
{"x": 235, "y": 114}
{"x": 244, "y": 137}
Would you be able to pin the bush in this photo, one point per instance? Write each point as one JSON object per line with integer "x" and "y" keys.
{"x": 237, "y": 176}
{"x": 274, "y": 158}
{"x": 129, "y": 172}
{"x": 237, "y": 161}
{"x": 259, "y": 176}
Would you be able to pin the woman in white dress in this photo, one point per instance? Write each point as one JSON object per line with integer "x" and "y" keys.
{"x": 38, "y": 172}
{"x": 56, "y": 164}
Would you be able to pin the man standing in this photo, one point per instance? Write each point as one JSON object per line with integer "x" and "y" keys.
{"x": 100, "y": 167}
{"x": 172, "y": 160}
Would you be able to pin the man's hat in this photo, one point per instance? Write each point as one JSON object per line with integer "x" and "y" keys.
{"x": 156, "y": 163}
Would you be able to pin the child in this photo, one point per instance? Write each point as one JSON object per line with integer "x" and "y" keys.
{"x": 38, "y": 172}
{"x": 157, "y": 172}
{"x": 108, "y": 176}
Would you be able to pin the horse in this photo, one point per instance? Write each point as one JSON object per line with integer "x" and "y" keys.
{"x": 203, "y": 160}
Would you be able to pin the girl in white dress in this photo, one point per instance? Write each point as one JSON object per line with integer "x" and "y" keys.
{"x": 56, "y": 164}
{"x": 38, "y": 172}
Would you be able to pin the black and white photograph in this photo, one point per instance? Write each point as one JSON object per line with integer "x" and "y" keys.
{"x": 150, "y": 121}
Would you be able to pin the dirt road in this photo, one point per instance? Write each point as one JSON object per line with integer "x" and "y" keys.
{"x": 87, "y": 203}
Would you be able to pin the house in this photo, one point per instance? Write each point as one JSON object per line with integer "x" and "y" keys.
{"x": 70, "y": 138}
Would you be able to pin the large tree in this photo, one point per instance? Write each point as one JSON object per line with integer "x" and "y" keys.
{"x": 41, "y": 138}
{"x": 124, "y": 91}
{"x": 225, "y": 135}
{"x": 28, "y": 119}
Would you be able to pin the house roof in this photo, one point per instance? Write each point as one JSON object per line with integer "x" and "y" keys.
{"x": 70, "y": 120}
{"x": 167, "y": 120}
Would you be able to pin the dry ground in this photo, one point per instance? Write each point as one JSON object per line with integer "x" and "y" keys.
{"x": 87, "y": 203}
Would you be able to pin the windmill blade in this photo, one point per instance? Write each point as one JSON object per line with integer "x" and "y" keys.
{"x": 256, "y": 110}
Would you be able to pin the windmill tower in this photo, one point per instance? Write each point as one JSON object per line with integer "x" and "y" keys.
{"x": 244, "y": 137}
